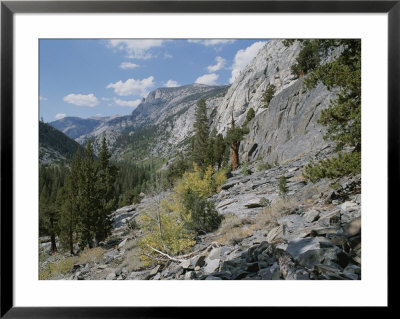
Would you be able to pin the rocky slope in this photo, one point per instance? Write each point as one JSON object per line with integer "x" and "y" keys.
{"x": 75, "y": 127}
{"x": 54, "y": 146}
{"x": 313, "y": 233}
{"x": 168, "y": 112}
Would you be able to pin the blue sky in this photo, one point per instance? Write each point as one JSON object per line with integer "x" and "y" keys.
{"x": 106, "y": 77}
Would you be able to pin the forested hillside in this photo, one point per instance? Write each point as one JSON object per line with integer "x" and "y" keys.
{"x": 54, "y": 145}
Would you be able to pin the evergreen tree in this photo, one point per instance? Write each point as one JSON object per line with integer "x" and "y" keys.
{"x": 343, "y": 115}
{"x": 89, "y": 201}
{"x": 219, "y": 150}
{"x": 308, "y": 59}
{"x": 69, "y": 219}
{"x": 106, "y": 192}
{"x": 51, "y": 180}
{"x": 210, "y": 148}
{"x": 250, "y": 115}
{"x": 201, "y": 131}
{"x": 268, "y": 95}
{"x": 48, "y": 215}
{"x": 233, "y": 138}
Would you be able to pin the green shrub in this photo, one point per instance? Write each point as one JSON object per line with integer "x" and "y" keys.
{"x": 288, "y": 42}
{"x": 263, "y": 166}
{"x": 268, "y": 95}
{"x": 190, "y": 199}
{"x": 245, "y": 170}
{"x": 204, "y": 216}
{"x": 132, "y": 224}
{"x": 250, "y": 115}
{"x": 130, "y": 197}
{"x": 282, "y": 187}
{"x": 338, "y": 166}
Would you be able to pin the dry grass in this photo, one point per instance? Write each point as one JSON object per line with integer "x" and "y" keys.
{"x": 298, "y": 178}
{"x": 132, "y": 259}
{"x": 232, "y": 221}
{"x": 234, "y": 229}
{"x": 235, "y": 235}
{"x": 279, "y": 208}
{"x": 53, "y": 270}
{"x": 91, "y": 256}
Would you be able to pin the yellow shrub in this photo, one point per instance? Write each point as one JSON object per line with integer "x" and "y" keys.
{"x": 196, "y": 181}
{"x": 172, "y": 238}
{"x": 220, "y": 179}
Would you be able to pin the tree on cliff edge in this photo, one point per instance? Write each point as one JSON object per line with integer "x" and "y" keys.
{"x": 201, "y": 132}
{"x": 233, "y": 138}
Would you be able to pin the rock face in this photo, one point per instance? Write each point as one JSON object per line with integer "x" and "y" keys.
{"x": 271, "y": 66}
{"x": 288, "y": 128}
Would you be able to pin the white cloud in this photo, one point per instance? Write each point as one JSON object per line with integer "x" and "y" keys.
{"x": 243, "y": 58}
{"x": 212, "y": 42}
{"x": 135, "y": 49}
{"x": 82, "y": 99}
{"x": 168, "y": 56}
{"x": 171, "y": 84}
{"x": 42, "y": 98}
{"x": 218, "y": 66}
{"x": 128, "y": 65}
{"x": 208, "y": 79}
{"x": 60, "y": 116}
{"x": 105, "y": 99}
{"x": 132, "y": 86}
{"x": 134, "y": 103}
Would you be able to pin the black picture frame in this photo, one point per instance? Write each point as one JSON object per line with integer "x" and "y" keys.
{"x": 9, "y": 8}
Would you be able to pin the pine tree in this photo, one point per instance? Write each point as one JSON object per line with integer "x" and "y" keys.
{"x": 250, "y": 115}
{"x": 201, "y": 131}
{"x": 308, "y": 59}
{"x": 48, "y": 216}
{"x": 88, "y": 198}
{"x": 106, "y": 192}
{"x": 343, "y": 115}
{"x": 51, "y": 180}
{"x": 219, "y": 150}
{"x": 268, "y": 95}
{"x": 69, "y": 219}
{"x": 211, "y": 147}
{"x": 233, "y": 138}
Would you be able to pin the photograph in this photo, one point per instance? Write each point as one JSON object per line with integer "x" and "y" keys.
{"x": 199, "y": 159}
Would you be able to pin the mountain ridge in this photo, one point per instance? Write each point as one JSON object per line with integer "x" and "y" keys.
{"x": 292, "y": 115}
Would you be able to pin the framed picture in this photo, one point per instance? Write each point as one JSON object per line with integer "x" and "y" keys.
{"x": 54, "y": 54}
